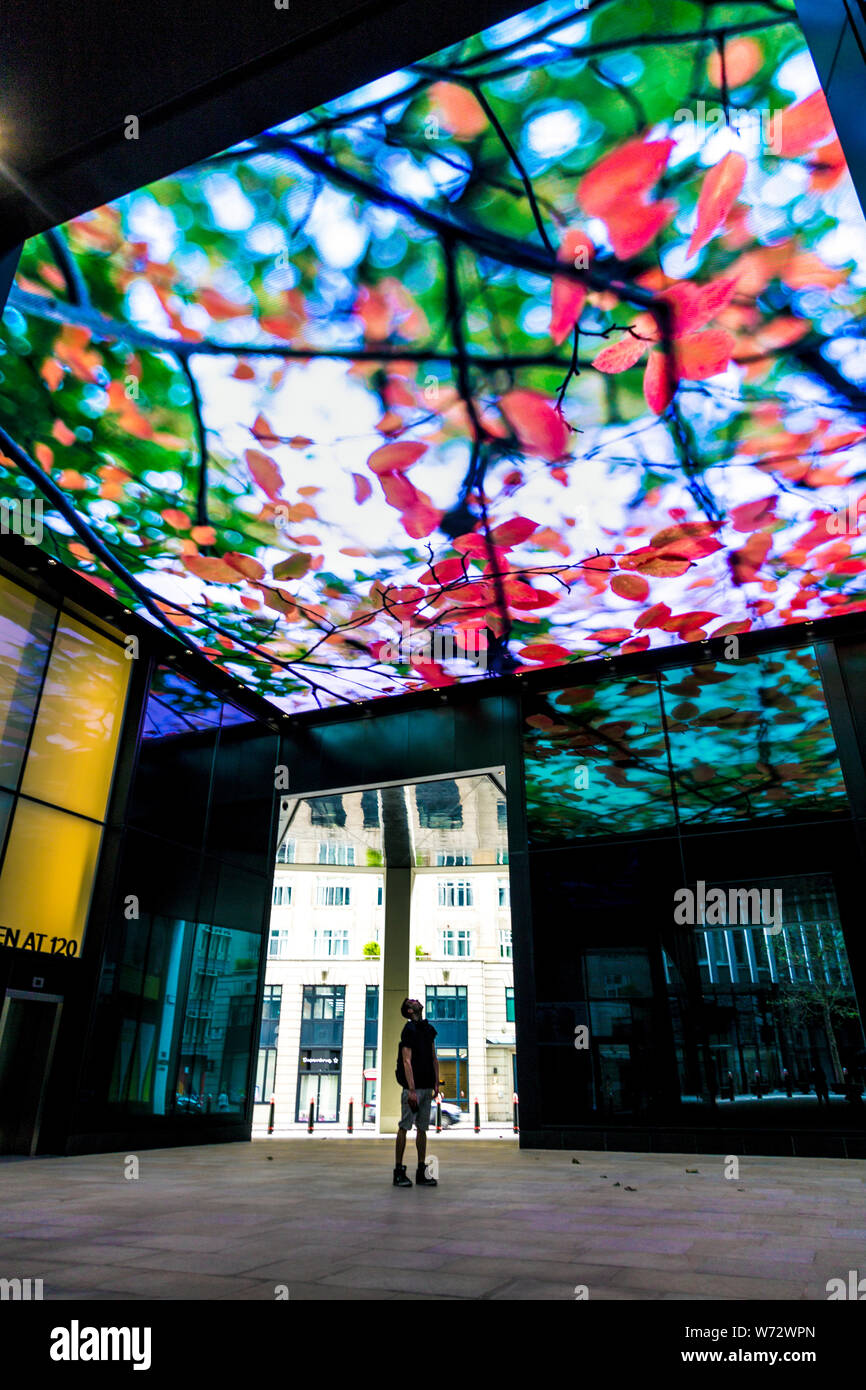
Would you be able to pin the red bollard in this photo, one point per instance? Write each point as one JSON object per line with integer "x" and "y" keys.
{"x": 310, "y": 1121}
{"x": 271, "y": 1116}
{"x": 516, "y": 1124}
{"x": 351, "y": 1125}
{"x": 477, "y": 1117}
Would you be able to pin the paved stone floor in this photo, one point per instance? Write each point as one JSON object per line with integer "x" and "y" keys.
{"x": 233, "y": 1221}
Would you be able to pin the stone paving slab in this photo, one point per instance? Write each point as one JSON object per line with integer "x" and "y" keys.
{"x": 231, "y": 1221}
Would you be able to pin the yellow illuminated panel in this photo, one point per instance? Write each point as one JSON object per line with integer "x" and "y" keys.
{"x": 25, "y": 637}
{"x": 47, "y": 879}
{"x": 71, "y": 757}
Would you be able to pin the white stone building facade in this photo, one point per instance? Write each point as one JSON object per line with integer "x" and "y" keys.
{"x": 323, "y": 979}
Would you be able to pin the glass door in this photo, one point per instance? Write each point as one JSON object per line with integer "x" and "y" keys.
{"x": 28, "y": 1031}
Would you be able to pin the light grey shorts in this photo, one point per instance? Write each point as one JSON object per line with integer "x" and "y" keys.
{"x": 421, "y": 1117}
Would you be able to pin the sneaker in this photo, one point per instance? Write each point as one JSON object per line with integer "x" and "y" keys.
{"x": 401, "y": 1177}
{"x": 422, "y": 1180}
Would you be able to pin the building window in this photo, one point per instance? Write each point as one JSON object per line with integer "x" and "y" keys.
{"x": 509, "y": 1003}
{"x": 327, "y": 810}
{"x": 457, "y": 941}
{"x": 203, "y": 985}
{"x": 452, "y": 861}
{"x": 323, "y": 1003}
{"x": 439, "y": 805}
{"x": 505, "y": 943}
{"x": 504, "y": 892}
{"x": 279, "y": 943}
{"x": 502, "y": 856}
{"x": 501, "y": 817}
{"x": 370, "y": 810}
{"x": 282, "y": 895}
{"x": 267, "y": 1060}
{"x": 455, "y": 893}
{"x": 266, "y": 1073}
{"x": 336, "y": 854}
{"x": 333, "y": 895}
{"x": 286, "y": 852}
{"x": 331, "y": 941}
{"x": 380, "y": 892}
{"x": 371, "y": 1039}
{"x": 447, "y": 1003}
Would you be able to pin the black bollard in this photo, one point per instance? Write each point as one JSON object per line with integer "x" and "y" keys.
{"x": 351, "y": 1125}
{"x": 438, "y": 1115}
{"x": 516, "y": 1116}
{"x": 477, "y": 1117}
{"x": 310, "y": 1121}
{"x": 271, "y": 1117}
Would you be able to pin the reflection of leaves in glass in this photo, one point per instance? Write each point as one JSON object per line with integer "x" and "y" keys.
{"x": 595, "y": 762}
{"x": 177, "y": 705}
{"x": 748, "y": 739}
{"x": 415, "y": 362}
{"x": 752, "y": 738}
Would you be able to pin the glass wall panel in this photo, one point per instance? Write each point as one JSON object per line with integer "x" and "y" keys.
{"x": 596, "y": 763}
{"x": 147, "y": 1019}
{"x": 244, "y": 779}
{"x": 7, "y": 801}
{"x": 175, "y": 766}
{"x": 71, "y": 757}
{"x": 752, "y": 739}
{"x": 26, "y": 625}
{"x": 779, "y": 1007}
{"x": 173, "y": 1034}
{"x": 176, "y": 705}
{"x": 217, "y": 1038}
{"x": 47, "y": 877}
{"x": 748, "y": 740}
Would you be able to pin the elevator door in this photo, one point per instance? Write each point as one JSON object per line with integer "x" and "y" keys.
{"x": 28, "y": 1029}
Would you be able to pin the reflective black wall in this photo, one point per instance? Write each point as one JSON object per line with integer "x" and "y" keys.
{"x": 186, "y": 898}
{"x": 661, "y": 1024}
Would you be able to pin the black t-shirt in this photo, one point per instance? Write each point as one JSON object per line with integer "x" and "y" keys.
{"x": 419, "y": 1037}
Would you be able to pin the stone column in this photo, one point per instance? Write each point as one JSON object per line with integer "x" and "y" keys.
{"x": 399, "y": 869}
{"x": 395, "y": 987}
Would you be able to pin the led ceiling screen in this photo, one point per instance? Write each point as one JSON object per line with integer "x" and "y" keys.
{"x": 547, "y": 347}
